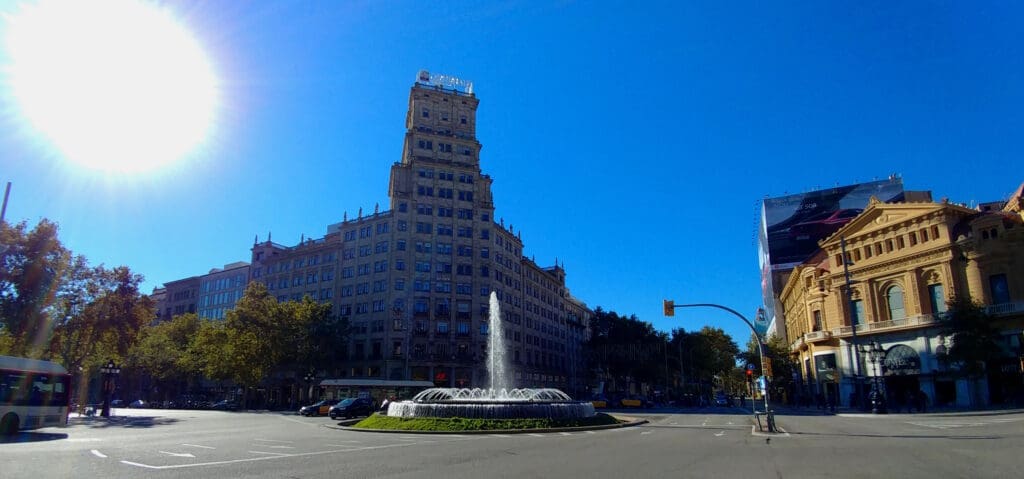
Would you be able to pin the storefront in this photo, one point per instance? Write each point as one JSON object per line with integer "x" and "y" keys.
{"x": 901, "y": 368}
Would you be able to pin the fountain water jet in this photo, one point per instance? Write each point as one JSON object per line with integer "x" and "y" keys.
{"x": 500, "y": 400}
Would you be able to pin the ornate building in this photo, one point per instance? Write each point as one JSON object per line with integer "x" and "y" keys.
{"x": 414, "y": 280}
{"x": 905, "y": 261}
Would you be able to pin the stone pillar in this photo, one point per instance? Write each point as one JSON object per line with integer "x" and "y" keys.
{"x": 975, "y": 283}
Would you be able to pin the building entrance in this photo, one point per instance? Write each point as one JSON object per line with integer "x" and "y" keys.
{"x": 902, "y": 393}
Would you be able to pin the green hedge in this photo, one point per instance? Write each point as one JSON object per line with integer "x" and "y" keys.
{"x": 379, "y": 421}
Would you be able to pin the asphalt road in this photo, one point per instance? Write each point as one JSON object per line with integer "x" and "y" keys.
{"x": 676, "y": 443}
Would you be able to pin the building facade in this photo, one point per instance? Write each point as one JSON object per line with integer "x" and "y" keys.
{"x": 221, "y": 288}
{"x": 414, "y": 280}
{"x": 179, "y": 298}
{"x": 905, "y": 261}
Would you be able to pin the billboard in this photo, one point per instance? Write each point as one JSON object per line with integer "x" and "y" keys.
{"x": 792, "y": 225}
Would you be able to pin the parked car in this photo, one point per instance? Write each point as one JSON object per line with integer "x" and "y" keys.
{"x": 319, "y": 409}
{"x": 138, "y": 403}
{"x": 351, "y": 407}
{"x": 117, "y": 403}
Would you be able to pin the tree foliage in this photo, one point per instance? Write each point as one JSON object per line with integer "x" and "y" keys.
{"x": 32, "y": 264}
{"x": 974, "y": 337}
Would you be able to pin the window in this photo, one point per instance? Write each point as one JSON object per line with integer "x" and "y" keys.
{"x": 465, "y": 214}
{"x": 999, "y": 288}
{"x": 444, "y": 193}
{"x": 423, "y": 266}
{"x": 399, "y": 265}
{"x": 444, "y": 229}
{"x": 402, "y": 225}
{"x": 484, "y": 272}
{"x": 399, "y": 284}
{"x": 445, "y": 212}
{"x": 426, "y": 228}
{"x": 894, "y": 300}
{"x": 425, "y": 190}
{"x": 857, "y": 312}
{"x": 485, "y": 234}
{"x": 381, "y": 247}
{"x": 382, "y": 228}
{"x": 465, "y": 232}
{"x": 485, "y": 252}
{"x": 400, "y": 245}
{"x": 365, "y": 250}
{"x": 465, "y": 195}
{"x": 817, "y": 321}
{"x": 424, "y": 210}
{"x": 425, "y": 113}
{"x": 444, "y": 248}
{"x": 403, "y": 207}
{"x": 937, "y": 298}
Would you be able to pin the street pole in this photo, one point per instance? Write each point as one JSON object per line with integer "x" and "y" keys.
{"x": 669, "y": 306}
{"x": 853, "y": 326}
{"x": 3, "y": 210}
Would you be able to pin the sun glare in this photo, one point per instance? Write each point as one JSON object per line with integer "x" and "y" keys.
{"x": 116, "y": 85}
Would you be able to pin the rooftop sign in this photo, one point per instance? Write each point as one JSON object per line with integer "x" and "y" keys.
{"x": 446, "y": 81}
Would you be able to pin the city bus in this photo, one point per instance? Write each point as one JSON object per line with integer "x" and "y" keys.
{"x": 33, "y": 394}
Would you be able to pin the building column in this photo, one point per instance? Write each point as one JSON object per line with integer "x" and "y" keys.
{"x": 975, "y": 283}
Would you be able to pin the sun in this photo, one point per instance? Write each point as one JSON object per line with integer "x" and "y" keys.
{"x": 115, "y": 85}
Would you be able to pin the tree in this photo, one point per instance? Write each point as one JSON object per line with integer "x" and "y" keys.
{"x": 783, "y": 364}
{"x": 163, "y": 351}
{"x": 974, "y": 338}
{"x": 32, "y": 264}
{"x": 626, "y": 347}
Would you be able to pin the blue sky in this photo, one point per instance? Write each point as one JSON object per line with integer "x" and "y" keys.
{"x": 633, "y": 143}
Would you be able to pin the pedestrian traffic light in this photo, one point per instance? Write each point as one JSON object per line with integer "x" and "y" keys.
{"x": 750, "y": 373}
{"x": 670, "y": 307}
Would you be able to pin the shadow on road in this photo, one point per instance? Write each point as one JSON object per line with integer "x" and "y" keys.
{"x": 30, "y": 436}
{"x": 122, "y": 421}
{"x": 895, "y": 436}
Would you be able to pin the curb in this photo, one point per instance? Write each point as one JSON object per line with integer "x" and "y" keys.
{"x": 631, "y": 421}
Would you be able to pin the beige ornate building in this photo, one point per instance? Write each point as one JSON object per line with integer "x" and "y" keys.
{"x": 905, "y": 261}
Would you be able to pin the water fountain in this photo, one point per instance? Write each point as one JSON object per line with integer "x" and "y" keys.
{"x": 500, "y": 400}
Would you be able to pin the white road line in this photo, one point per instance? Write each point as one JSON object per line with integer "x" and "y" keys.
{"x": 177, "y": 454}
{"x": 274, "y": 440}
{"x": 263, "y": 458}
{"x": 536, "y": 435}
{"x": 720, "y": 434}
{"x": 98, "y": 454}
{"x": 646, "y": 432}
{"x": 281, "y": 447}
{"x": 566, "y": 433}
{"x": 83, "y": 439}
{"x": 591, "y": 432}
{"x": 278, "y": 454}
{"x": 197, "y": 445}
{"x": 298, "y": 421}
{"x": 499, "y": 435}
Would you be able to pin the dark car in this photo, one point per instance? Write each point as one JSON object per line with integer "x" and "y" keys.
{"x": 117, "y": 403}
{"x": 821, "y": 225}
{"x": 318, "y": 409}
{"x": 351, "y": 407}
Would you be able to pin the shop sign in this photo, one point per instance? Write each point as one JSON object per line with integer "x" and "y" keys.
{"x": 902, "y": 360}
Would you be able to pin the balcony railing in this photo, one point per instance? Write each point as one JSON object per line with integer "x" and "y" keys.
{"x": 880, "y": 326}
{"x": 818, "y": 336}
{"x": 1003, "y": 309}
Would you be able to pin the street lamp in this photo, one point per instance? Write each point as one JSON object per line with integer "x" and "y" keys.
{"x": 309, "y": 378}
{"x": 875, "y": 354}
{"x": 110, "y": 372}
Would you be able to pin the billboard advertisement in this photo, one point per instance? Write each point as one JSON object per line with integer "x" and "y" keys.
{"x": 792, "y": 225}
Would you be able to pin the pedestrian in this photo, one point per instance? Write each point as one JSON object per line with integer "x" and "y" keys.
{"x": 384, "y": 405}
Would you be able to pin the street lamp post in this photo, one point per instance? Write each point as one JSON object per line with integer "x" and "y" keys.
{"x": 110, "y": 372}
{"x": 669, "y": 307}
{"x": 875, "y": 354}
{"x": 309, "y": 378}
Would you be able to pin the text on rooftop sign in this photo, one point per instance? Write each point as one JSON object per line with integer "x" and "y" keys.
{"x": 447, "y": 81}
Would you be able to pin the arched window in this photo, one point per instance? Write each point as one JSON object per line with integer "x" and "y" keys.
{"x": 894, "y": 297}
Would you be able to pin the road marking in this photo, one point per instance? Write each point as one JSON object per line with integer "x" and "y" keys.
{"x": 720, "y": 434}
{"x": 566, "y": 433}
{"x": 646, "y": 432}
{"x": 278, "y": 454}
{"x": 673, "y": 423}
{"x": 98, "y": 454}
{"x": 177, "y": 454}
{"x": 591, "y": 432}
{"x": 84, "y": 439}
{"x": 274, "y": 440}
{"x": 298, "y": 421}
{"x": 499, "y": 435}
{"x": 537, "y": 435}
{"x": 197, "y": 445}
{"x": 755, "y": 432}
{"x": 262, "y": 458}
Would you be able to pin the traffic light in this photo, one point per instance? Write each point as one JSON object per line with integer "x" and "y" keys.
{"x": 670, "y": 307}
{"x": 750, "y": 374}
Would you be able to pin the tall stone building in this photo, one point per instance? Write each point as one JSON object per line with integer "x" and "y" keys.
{"x": 414, "y": 280}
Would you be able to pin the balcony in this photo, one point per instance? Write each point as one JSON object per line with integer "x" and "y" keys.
{"x": 1005, "y": 309}
{"x": 891, "y": 325}
{"x": 818, "y": 336}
